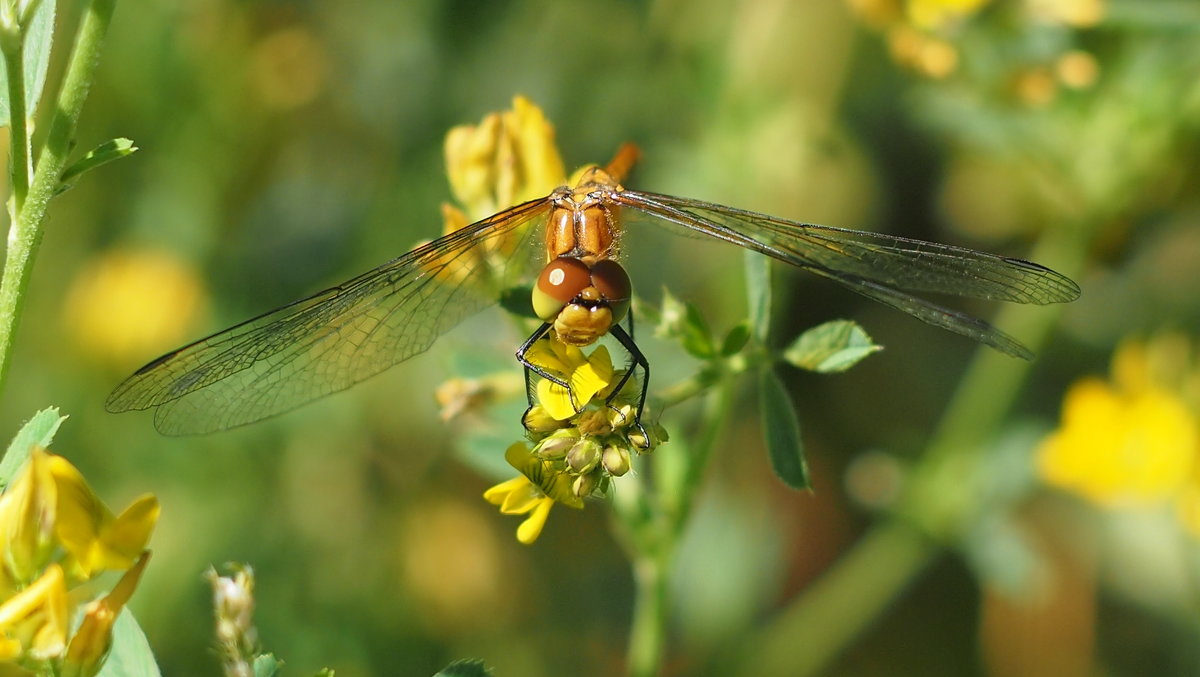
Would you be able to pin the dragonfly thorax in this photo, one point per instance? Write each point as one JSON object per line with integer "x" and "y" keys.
{"x": 582, "y": 299}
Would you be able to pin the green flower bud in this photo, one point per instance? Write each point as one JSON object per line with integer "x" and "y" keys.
{"x": 583, "y": 456}
{"x": 615, "y": 460}
{"x": 584, "y": 485}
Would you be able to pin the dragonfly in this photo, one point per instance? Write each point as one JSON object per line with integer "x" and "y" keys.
{"x": 336, "y": 338}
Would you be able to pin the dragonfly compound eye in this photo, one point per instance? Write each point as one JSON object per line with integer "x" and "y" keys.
{"x": 560, "y": 282}
{"x": 611, "y": 280}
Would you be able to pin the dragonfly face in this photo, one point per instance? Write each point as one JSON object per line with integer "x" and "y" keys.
{"x": 582, "y": 290}
{"x": 328, "y": 342}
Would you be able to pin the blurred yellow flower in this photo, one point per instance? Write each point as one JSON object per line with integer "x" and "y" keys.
{"x": 56, "y": 533}
{"x": 90, "y": 645}
{"x": 288, "y": 68}
{"x": 1132, "y": 441}
{"x": 933, "y": 15}
{"x": 34, "y": 622}
{"x": 508, "y": 158}
{"x": 27, "y": 519}
{"x": 130, "y": 303}
{"x": 93, "y": 537}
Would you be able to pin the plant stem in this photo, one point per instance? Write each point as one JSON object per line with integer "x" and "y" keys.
{"x": 25, "y": 231}
{"x": 805, "y": 638}
{"x": 651, "y": 533}
{"x": 13, "y": 46}
{"x": 647, "y": 638}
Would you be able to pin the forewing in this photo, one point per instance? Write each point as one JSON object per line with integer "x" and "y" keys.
{"x": 335, "y": 338}
{"x": 882, "y": 267}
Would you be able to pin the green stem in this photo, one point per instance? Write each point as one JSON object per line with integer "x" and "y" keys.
{"x": 20, "y": 167}
{"x": 647, "y": 638}
{"x": 652, "y": 526}
{"x": 806, "y": 637}
{"x": 25, "y": 232}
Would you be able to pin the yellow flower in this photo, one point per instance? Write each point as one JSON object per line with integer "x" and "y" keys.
{"x": 506, "y": 159}
{"x": 94, "y": 538}
{"x": 90, "y": 645}
{"x": 588, "y": 375}
{"x": 55, "y": 533}
{"x": 33, "y": 622}
{"x": 534, "y": 492}
{"x": 1130, "y": 442}
{"x": 27, "y": 519}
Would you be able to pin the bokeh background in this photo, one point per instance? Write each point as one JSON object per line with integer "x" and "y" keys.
{"x": 288, "y": 145}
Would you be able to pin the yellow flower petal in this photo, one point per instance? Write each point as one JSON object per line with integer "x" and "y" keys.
{"x": 93, "y": 639}
{"x": 94, "y": 538}
{"x": 532, "y": 527}
{"x": 36, "y": 618}
{"x": 27, "y": 517}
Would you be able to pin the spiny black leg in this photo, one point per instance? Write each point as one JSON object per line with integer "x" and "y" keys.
{"x": 538, "y": 334}
{"x": 639, "y": 360}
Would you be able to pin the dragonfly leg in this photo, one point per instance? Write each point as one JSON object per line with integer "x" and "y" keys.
{"x": 540, "y": 333}
{"x": 639, "y": 360}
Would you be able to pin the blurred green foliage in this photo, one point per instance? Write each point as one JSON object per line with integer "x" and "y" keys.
{"x": 286, "y": 146}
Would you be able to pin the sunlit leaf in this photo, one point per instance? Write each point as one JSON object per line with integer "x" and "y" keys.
{"x": 465, "y": 668}
{"x": 266, "y": 665}
{"x": 830, "y": 347}
{"x": 781, "y": 430}
{"x": 682, "y": 322}
{"x": 758, "y": 294}
{"x": 130, "y": 655}
{"x": 113, "y": 149}
{"x": 37, "y": 431}
{"x": 38, "y": 36}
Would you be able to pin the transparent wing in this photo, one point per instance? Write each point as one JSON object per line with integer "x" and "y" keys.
{"x": 335, "y": 338}
{"x": 882, "y": 267}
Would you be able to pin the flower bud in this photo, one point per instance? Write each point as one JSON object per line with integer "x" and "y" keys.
{"x": 537, "y": 420}
{"x": 584, "y": 485}
{"x": 583, "y": 456}
{"x": 556, "y": 446}
{"x": 615, "y": 460}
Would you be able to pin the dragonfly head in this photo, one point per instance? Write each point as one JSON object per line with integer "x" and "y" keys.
{"x": 583, "y": 298}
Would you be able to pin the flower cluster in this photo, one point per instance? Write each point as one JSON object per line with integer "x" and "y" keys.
{"x": 927, "y": 36}
{"x": 56, "y": 535}
{"x": 1133, "y": 440}
{"x": 572, "y": 453}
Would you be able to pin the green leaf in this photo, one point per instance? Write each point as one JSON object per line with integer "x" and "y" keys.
{"x": 114, "y": 149}
{"x": 736, "y": 339}
{"x": 325, "y": 672}
{"x": 831, "y": 347}
{"x": 781, "y": 430}
{"x": 37, "y": 431}
{"x": 518, "y": 300}
{"x": 684, "y": 323}
{"x": 465, "y": 668}
{"x": 39, "y": 33}
{"x": 758, "y": 295}
{"x": 266, "y": 665}
{"x": 130, "y": 655}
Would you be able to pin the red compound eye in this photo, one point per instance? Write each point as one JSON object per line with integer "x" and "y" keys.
{"x": 611, "y": 280}
{"x": 561, "y": 281}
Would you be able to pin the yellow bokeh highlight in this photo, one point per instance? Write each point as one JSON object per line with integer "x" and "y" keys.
{"x": 1120, "y": 448}
{"x": 1134, "y": 440}
{"x": 127, "y": 304}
